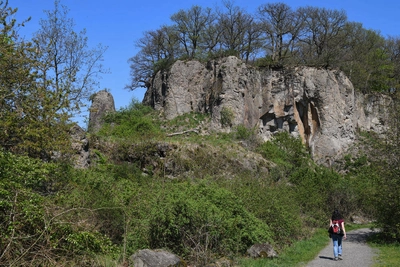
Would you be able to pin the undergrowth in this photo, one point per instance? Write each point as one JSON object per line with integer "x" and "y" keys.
{"x": 158, "y": 184}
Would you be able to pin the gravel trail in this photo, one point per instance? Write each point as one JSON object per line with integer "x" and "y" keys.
{"x": 356, "y": 253}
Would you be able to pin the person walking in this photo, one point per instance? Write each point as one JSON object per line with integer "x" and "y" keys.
{"x": 338, "y": 233}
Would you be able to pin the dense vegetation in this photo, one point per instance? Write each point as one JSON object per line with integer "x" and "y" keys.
{"x": 198, "y": 200}
{"x": 202, "y": 196}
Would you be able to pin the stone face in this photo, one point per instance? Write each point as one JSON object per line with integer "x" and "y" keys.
{"x": 317, "y": 105}
{"x": 80, "y": 145}
{"x": 102, "y": 102}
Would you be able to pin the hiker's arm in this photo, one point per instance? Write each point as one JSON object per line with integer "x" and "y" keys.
{"x": 344, "y": 231}
{"x": 330, "y": 222}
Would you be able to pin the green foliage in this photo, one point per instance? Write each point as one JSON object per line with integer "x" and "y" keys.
{"x": 131, "y": 123}
{"x": 186, "y": 121}
{"x": 274, "y": 204}
{"x": 287, "y": 152}
{"x": 33, "y": 120}
{"x": 204, "y": 218}
{"x": 243, "y": 133}
{"x": 363, "y": 179}
{"x": 227, "y": 117}
{"x": 162, "y": 64}
{"x": 388, "y": 213}
{"x": 27, "y": 189}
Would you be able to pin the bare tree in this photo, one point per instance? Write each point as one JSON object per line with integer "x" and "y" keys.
{"x": 323, "y": 29}
{"x": 69, "y": 68}
{"x": 281, "y": 26}
{"x": 157, "y": 49}
{"x": 191, "y": 26}
{"x": 233, "y": 23}
{"x": 252, "y": 39}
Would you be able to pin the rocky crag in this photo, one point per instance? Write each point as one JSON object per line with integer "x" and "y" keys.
{"x": 318, "y": 105}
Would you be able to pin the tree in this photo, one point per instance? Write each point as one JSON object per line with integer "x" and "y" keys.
{"x": 233, "y": 25}
{"x": 191, "y": 26}
{"x": 68, "y": 67}
{"x": 157, "y": 50}
{"x": 387, "y": 157}
{"x": 41, "y": 83}
{"x": 281, "y": 26}
{"x": 365, "y": 59}
{"x": 392, "y": 46}
{"x": 29, "y": 123}
{"x": 321, "y": 38}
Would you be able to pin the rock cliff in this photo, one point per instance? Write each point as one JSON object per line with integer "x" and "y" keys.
{"x": 318, "y": 105}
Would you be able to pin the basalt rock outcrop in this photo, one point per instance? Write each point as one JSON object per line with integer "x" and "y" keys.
{"x": 102, "y": 103}
{"x": 80, "y": 145}
{"x": 318, "y": 105}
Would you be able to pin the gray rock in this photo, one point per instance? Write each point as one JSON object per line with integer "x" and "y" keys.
{"x": 262, "y": 251}
{"x": 318, "y": 105}
{"x": 80, "y": 145}
{"x": 156, "y": 258}
{"x": 102, "y": 103}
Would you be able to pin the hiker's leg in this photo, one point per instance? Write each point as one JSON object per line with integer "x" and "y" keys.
{"x": 340, "y": 238}
{"x": 335, "y": 245}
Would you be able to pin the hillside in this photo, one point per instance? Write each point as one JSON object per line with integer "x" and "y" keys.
{"x": 183, "y": 185}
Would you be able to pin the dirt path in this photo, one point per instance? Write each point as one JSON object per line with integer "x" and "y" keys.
{"x": 355, "y": 252}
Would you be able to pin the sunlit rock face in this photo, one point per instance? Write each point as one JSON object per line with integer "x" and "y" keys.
{"x": 102, "y": 103}
{"x": 318, "y": 105}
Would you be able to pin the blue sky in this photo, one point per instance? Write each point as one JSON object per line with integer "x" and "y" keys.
{"x": 119, "y": 23}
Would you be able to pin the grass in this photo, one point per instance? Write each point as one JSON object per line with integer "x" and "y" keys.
{"x": 388, "y": 254}
{"x": 298, "y": 254}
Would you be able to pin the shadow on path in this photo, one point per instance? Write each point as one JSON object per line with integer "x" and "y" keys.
{"x": 359, "y": 236}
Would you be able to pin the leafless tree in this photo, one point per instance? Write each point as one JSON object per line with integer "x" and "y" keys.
{"x": 281, "y": 26}
{"x": 191, "y": 26}
{"x": 233, "y": 23}
{"x": 322, "y": 29}
{"x": 157, "y": 49}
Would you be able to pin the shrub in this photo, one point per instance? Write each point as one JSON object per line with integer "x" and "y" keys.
{"x": 201, "y": 220}
{"x": 274, "y": 204}
{"x": 227, "y": 117}
{"x": 31, "y": 228}
{"x": 133, "y": 122}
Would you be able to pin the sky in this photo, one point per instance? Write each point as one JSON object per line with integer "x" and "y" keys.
{"x": 118, "y": 24}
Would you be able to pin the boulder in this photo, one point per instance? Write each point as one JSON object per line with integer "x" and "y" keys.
{"x": 102, "y": 103}
{"x": 264, "y": 250}
{"x": 156, "y": 258}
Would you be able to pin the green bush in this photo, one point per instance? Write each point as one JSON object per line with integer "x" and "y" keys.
{"x": 32, "y": 227}
{"x": 274, "y": 204}
{"x": 227, "y": 117}
{"x": 197, "y": 220}
{"x": 134, "y": 122}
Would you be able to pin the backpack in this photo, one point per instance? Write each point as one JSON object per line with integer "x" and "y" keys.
{"x": 336, "y": 229}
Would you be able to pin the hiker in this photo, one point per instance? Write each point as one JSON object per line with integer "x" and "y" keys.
{"x": 337, "y": 233}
